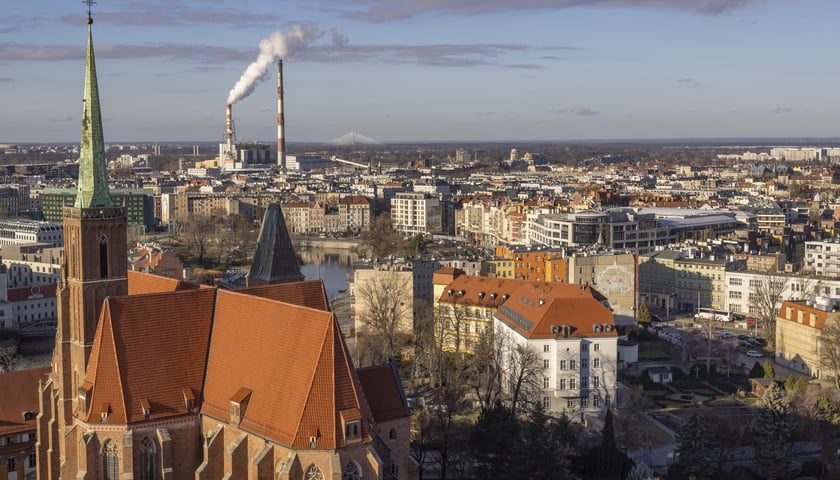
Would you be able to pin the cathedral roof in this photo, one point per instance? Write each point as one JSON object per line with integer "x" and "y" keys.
{"x": 384, "y": 392}
{"x": 20, "y": 396}
{"x": 140, "y": 283}
{"x": 149, "y": 351}
{"x": 308, "y": 293}
{"x": 294, "y": 363}
{"x": 274, "y": 259}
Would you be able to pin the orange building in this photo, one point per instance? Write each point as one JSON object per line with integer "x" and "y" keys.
{"x": 545, "y": 265}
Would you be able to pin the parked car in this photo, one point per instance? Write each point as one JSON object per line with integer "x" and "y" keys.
{"x": 754, "y": 354}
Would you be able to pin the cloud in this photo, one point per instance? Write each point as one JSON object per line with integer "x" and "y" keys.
{"x": 143, "y": 14}
{"x": 581, "y": 111}
{"x": 386, "y": 10}
{"x": 525, "y": 66}
{"x": 485, "y": 114}
{"x": 437, "y": 55}
{"x": 339, "y": 40}
{"x": 6, "y": 79}
{"x": 198, "y": 53}
{"x": 781, "y": 110}
{"x": 689, "y": 81}
{"x": 18, "y": 23}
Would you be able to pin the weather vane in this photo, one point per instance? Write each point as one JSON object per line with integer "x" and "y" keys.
{"x": 90, "y": 4}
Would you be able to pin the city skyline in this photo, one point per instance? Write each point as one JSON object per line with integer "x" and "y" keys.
{"x": 428, "y": 70}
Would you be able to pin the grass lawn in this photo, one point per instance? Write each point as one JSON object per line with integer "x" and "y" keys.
{"x": 654, "y": 434}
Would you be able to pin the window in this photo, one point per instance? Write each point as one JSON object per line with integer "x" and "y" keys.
{"x": 147, "y": 459}
{"x": 596, "y": 362}
{"x": 111, "y": 461}
{"x": 103, "y": 257}
{"x": 584, "y": 382}
{"x": 561, "y": 385}
{"x": 32, "y": 461}
{"x": 571, "y": 383}
{"x": 546, "y": 401}
{"x": 584, "y": 402}
{"x": 735, "y": 294}
{"x": 546, "y": 363}
{"x": 562, "y": 365}
{"x": 313, "y": 473}
{"x": 595, "y": 381}
{"x": 546, "y": 348}
{"x": 584, "y": 347}
{"x": 11, "y": 464}
{"x": 570, "y": 403}
{"x": 352, "y": 430}
{"x": 572, "y": 365}
{"x": 597, "y": 347}
{"x": 596, "y": 400}
{"x": 352, "y": 471}
{"x": 584, "y": 363}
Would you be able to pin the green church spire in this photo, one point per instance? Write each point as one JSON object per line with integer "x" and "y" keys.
{"x": 93, "y": 182}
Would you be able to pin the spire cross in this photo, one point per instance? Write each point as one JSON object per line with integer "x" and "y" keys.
{"x": 90, "y": 4}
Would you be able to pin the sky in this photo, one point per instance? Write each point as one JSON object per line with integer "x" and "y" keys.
{"x": 426, "y": 70}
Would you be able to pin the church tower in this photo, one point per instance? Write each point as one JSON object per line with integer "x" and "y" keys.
{"x": 93, "y": 268}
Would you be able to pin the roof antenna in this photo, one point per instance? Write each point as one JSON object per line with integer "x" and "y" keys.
{"x": 90, "y": 4}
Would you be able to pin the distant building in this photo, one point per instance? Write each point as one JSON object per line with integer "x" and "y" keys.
{"x": 822, "y": 257}
{"x": 19, "y": 232}
{"x": 14, "y": 200}
{"x": 415, "y": 213}
{"x": 800, "y": 344}
{"x": 18, "y": 429}
{"x": 139, "y": 204}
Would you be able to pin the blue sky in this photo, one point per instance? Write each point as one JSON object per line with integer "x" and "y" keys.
{"x": 428, "y": 70}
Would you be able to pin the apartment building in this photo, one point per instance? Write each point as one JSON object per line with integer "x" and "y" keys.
{"x": 415, "y": 213}
{"x": 822, "y": 257}
{"x": 20, "y": 232}
{"x": 613, "y": 274}
{"x": 574, "y": 333}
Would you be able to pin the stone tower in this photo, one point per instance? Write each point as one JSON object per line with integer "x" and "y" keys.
{"x": 93, "y": 268}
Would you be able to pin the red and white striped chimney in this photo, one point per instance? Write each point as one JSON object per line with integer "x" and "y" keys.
{"x": 281, "y": 130}
{"x": 229, "y": 125}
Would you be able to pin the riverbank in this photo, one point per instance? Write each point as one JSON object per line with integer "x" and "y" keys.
{"x": 336, "y": 243}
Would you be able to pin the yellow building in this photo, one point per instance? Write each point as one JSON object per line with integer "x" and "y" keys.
{"x": 800, "y": 338}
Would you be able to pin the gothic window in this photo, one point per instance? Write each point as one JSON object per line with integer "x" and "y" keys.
{"x": 111, "y": 461}
{"x": 352, "y": 471}
{"x": 103, "y": 257}
{"x": 313, "y": 473}
{"x": 147, "y": 459}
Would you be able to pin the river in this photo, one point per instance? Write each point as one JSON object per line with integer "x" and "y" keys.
{"x": 333, "y": 266}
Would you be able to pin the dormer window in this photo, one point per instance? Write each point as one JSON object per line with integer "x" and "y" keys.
{"x": 353, "y": 431}
{"x": 238, "y": 405}
{"x": 146, "y": 407}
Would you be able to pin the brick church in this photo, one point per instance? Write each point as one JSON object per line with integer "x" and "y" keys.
{"x": 158, "y": 379}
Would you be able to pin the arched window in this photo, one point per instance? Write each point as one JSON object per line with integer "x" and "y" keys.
{"x": 392, "y": 434}
{"x": 103, "y": 257}
{"x": 147, "y": 459}
{"x": 111, "y": 461}
{"x": 352, "y": 471}
{"x": 313, "y": 473}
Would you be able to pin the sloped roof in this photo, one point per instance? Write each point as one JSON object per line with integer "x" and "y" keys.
{"x": 472, "y": 288}
{"x": 140, "y": 283}
{"x": 384, "y": 392}
{"x": 296, "y": 365}
{"x": 149, "y": 348}
{"x": 308, "y": 293}
{"x": 20, "y": 395}
{"x": 275, "y": 259}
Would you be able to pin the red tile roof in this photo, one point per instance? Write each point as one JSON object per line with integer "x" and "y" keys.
{"x": 384, "y": 392}
{"x": 473, "y": 288}
{"x": 149, "y": 348}
{"x": 294, "y": 361}
{"x": 19, "y": 394}
{"x": 309, "y": 293}
{"x": 141, "y": 283}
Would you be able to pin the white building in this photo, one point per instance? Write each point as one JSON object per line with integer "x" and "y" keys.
{"x": 575, "y": 336}
{"x": 415, "y": 213}
{"x": 30, "y": 265}
{"x": 822, "y": 257}
{"x": 18, "y": 232}
{"x": 743, "y": 289}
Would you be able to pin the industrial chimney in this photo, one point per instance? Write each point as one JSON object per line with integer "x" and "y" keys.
{"x": 229, "y": 125}
{"x": 281, "y": 130}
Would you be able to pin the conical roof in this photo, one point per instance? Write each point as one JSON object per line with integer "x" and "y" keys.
{"x": 274, "y": 260}
{"x": 93, "y": 183}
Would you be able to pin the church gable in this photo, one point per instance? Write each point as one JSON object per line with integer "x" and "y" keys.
{"x": 148, "y": 356}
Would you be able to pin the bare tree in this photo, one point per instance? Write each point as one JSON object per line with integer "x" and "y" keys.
{"x": 766, "y": 295}
{"x": 483, "y": 372}
{"x": 381, "y": 240}
{"x": 828, "y": 350}
{"x": 385, "y": 307}
{"x": 8, "y": 356}
{"x": 200, "y": 229}
{"x": 524, "y": 368}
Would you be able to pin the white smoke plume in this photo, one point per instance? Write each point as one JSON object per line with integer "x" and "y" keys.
{"x": 278, "y": 45}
